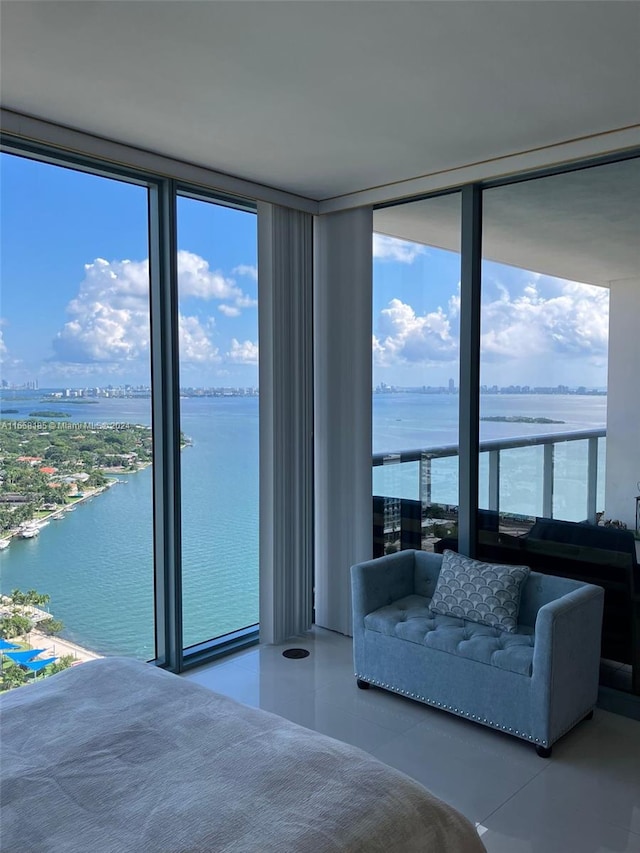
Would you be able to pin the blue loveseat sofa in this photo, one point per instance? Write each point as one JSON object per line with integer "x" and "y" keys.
{"x": 535, "y": 683}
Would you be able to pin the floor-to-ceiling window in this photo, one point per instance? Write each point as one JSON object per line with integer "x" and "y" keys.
{"x": 75, "y": 419}
{"x": 556, "y": 303}
{"x": 416, "y": 301}
{"x": 218, "y": 323}
{"x": 557, "y": 251}
{"x": 544, "y": 349}
{"x": 128, "y": 415}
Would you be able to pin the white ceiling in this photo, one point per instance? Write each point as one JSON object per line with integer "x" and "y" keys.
{"x": 325, "y": 98}
{"x": 582, "y": 226}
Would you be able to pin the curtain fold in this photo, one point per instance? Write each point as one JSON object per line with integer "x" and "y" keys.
{"x": 285, "y": 294}
{"x": 343, "y": 263}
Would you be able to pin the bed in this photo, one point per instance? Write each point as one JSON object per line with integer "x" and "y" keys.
{"x": 115, "y": 755}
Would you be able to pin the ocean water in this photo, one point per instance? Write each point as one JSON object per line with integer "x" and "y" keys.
{"x": 412, "y": 421}
{"x": 97, "y": 562}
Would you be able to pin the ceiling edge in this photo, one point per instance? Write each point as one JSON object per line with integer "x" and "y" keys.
{"x": 550, "y": 156}
{"x": 71, "y": 141}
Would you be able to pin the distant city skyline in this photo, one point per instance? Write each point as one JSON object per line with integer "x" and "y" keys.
{"x": 127, "y": 390}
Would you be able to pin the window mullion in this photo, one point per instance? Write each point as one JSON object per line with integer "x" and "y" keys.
{"x": 166, "y": 423}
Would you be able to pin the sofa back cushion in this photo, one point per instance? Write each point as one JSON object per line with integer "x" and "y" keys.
{"x": 426, "y": 570}
{"x": 486, "y": 593}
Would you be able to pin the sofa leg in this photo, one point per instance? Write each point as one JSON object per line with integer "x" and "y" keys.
{"x": 589, "y": 715}
{"x": 544, "y": 751}
{"x": 363, "y": 685}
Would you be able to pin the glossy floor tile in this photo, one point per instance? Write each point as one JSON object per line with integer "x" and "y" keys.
{"x": 585, "y": 799}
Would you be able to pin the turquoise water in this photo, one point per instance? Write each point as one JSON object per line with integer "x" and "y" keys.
{"x": 97, "y": 564}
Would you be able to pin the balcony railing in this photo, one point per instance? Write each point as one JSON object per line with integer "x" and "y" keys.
{"x": 494, "y": 448}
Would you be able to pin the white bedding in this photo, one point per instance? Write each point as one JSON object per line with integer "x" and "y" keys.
{"x": 115, "y": 756}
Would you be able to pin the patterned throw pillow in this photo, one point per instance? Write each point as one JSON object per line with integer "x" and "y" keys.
{"x": 486, "y": 593}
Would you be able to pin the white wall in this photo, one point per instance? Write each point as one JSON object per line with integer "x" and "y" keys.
{"x": 342, "y": 351}
{"x": 623, "y": 402}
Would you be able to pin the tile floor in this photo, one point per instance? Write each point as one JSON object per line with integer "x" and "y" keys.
{"x": 585, "y": 799}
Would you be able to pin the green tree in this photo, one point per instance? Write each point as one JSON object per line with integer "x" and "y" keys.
{"x": 96, "y": 479}
{"x": 50, "y": 626}
{"x": 13, "y": 676}
{"x": 37, "y": 599}
{"x": 15, "y": 625}
{"x": 17, "y": 597}
{"x": 63, "y": 663}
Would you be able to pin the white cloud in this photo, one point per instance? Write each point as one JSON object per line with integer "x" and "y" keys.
{"x": 229, "y": 310}
{"x": 246, "y": 269}
{"x": 544, "y": 318}
{"x": 196, "y": 279}
{"x": 573, "y": 320}
{"x": 195, "y": 345}
{"x": 109, "y": 318}
{"x": 405, "y": 337}
{"x": 6, "y": 360}
{"x": 392, "y": 249}
{"x": 243, "y": 353}
{"x": 245, "y": 301}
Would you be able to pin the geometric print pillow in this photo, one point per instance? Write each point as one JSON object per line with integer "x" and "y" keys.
{"x": 487, "y": 593}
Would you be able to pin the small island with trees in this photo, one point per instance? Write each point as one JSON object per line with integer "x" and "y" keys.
{"x": 518, "y": 419}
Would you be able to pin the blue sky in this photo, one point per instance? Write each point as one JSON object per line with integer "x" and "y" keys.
{"x": 535, "y": 329}
{"x": 74, "y": 298}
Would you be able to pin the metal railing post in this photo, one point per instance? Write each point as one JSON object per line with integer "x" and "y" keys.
{"x": 547, "y": 481}
{"x": 592, "y": 480}
{"x": 424, "y": 489}
{"x": 494, "y": 480}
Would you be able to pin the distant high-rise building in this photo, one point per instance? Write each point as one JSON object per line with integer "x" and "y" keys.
{"x": 452, "y": 386}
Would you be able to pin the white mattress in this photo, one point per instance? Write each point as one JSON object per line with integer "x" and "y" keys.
{"x": 115, "y": 756}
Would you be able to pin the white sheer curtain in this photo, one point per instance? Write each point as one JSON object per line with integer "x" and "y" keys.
{"x": 343, "y": 377}
{"x": 285, "y": 264}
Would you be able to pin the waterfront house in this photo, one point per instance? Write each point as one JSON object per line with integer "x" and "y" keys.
{"x": 14, "y": 498}
{"x": 324, "y": 117}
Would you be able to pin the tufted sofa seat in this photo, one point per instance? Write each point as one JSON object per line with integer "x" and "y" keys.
{"x": 536, "y": 683}
{"x": 410, "y": 619}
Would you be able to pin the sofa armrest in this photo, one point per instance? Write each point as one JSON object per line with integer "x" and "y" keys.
{"x": 566, "y": 656}
{"x": 378, "y": 582}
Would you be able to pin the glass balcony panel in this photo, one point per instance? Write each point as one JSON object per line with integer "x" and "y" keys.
{"x": 570, "y": 479}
